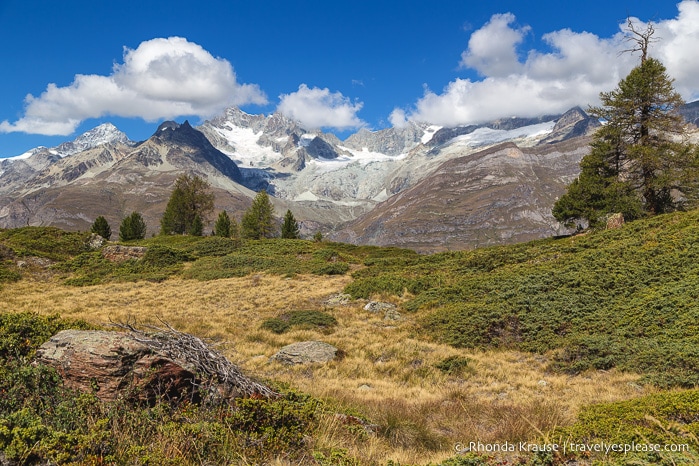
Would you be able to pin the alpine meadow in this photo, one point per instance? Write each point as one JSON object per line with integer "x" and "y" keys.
{"x": 508, "y": 274}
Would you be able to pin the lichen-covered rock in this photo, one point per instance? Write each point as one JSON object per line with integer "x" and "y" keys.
{"x": 95, "y": 241}
{"x": 339, "y": 299}
{"x": 378, "y": 306}
{"x": 306, "y": 352}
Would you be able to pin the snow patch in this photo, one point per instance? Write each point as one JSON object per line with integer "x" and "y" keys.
{"x": 247, "y": 151}
{"x": 306, "y": 196}
{"x": 305, "y": 139}
{"x": 487, "y": 136}
{"x": 382, "y": 196}
{"x": 429, "y": 133}
{"x": 27, "y": 154}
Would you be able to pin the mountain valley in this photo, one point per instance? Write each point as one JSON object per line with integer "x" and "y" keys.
{"x": 420, "y": 186}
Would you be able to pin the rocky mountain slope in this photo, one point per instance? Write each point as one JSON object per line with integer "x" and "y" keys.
{"x": 420, "y": 186}
{"x": 114, "y": 178}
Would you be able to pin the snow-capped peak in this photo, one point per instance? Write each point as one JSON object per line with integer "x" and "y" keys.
{"x": 105, "y": 133}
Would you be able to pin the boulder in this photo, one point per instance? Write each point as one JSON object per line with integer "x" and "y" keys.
{"x": 117, "y": 253}
{"x": 306, "y": 352}
{"x": 615, "y": 221}
{"x": 378, "y": 306}
{"x": 339, "y": 299}
{"x": 165, "y": 365}
{"x": 112, "y": 364}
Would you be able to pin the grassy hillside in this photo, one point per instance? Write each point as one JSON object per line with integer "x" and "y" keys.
{"x": 625, "y": 298}
{"x": 515, "y": 343}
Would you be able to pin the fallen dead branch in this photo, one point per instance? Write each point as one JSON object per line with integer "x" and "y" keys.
{"x": 219, "y": 378}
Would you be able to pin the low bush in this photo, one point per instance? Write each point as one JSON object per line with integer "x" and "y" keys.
{"x": 7, "y": 274}
{"x": 330, "y": 268}
{"x": 48, "y": 242}
{"x": 454, "y": 365}
{"x": 670, "y": 418}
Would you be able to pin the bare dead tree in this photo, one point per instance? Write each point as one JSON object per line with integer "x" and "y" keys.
{"x": 640, "y": 38}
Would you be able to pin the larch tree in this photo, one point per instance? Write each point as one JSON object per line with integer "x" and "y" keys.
{"x": 640, "y": 162}
{"x": 222, "y": 227}
{"x": 258, "y": 220}
{"x": 191, "y": 197}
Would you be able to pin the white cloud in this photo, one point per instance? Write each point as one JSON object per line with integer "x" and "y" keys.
{"x": 579, "y": 66}
{"x": 319, "y": 108}
{"x": 492, "y": 49}
{"x": 162, "y": 78}
{"x": 676, "y": 48}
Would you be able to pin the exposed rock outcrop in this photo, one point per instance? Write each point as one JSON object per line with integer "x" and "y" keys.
{"x": 118, "y": 253}
{"x": 306, "y": 352}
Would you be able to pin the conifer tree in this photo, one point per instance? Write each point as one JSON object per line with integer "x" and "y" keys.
{"x": 290, "y": 227}
{"x": 197, "y": 228}
{"x": 132, "y": 227}
{"x": 639, "y": 163}
{"x": 222, "y": 227}
{"x": 101, "y": 227}
{"x": 191, "y": 197}
{"x": 258, "y": 220}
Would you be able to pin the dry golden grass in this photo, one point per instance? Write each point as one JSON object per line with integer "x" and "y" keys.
{"x": 387, "y": 374}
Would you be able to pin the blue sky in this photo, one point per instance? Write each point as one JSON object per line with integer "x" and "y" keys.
{"x": 337, "y": 65}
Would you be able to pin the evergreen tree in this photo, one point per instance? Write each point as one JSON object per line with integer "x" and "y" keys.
{"x": 197, "y": 228}
{"x": 222, "y": 227}
{"x": 258, "y": 220}
{"x": 132, "y": 227}
{"x": 235, "y": 229}
{"x": 638, "y": 164}
{"x": 101, "y": 227}
{"x": 191, "y": 197}
{"x": 290, "y": 227}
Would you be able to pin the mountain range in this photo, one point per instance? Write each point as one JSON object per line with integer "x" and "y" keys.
{"x": 420, "y": 186}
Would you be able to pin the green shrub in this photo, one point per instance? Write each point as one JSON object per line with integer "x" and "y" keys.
{"x": 331, "y": 268}
{"x": 387, "y": 283}
{"x": 48, "y": 242}
{"x": 454, "y": 365}
{"x": 307, "y": 319}
{"x": 159, "y": 257}
{"x": 7, "y": 275}
{"x": 670, "y": 418}
{"x": 22, "y": 333}
{"x": 213, "y": 246}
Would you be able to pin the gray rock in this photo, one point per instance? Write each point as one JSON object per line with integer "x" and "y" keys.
{"x": 339, "y": 299}
{"x": 378, "y": 306}
{"x": 306, "y": 352}
{"x": 95, "y": 241}
{"x": 392, "y": 314}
